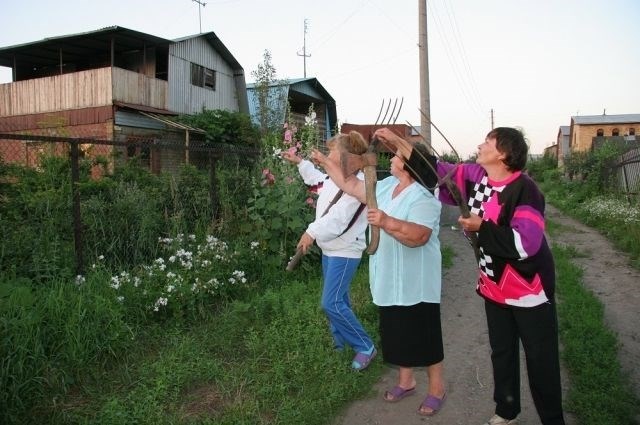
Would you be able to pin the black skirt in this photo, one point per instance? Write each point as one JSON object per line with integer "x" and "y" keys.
{"x": 411, "y": 336}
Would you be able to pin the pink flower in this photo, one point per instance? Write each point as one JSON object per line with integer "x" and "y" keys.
{"x": 292, "y": 150}
{"x": 287, "y": 136}
{"x": 310, "y": 201}
{"x": 269, "y": 179}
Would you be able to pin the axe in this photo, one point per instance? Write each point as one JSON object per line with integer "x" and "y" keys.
{"x": 367, "y": 162}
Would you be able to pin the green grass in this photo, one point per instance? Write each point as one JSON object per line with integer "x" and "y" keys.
{"x": 598, "y": 393}
{"x": 265, "y": 360}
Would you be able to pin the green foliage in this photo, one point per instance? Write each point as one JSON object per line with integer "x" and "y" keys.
{"x": 537, "y": 167}
{"x": 593, "y": 168}
{"x": 264, "y": 359}
{"x": 53, "y": 337}
{"x": 589, "y": 195}
{"x": 599, "y": 393}
{"x": 280, "y": 206}
{"x": 35, "y": 217}
{"x": 277, "y": 213}
{"x": 223, "y": 126}
{"x": 270, "y": 95}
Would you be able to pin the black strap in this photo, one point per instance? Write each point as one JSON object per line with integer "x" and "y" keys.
{"x": 355, "y": 216}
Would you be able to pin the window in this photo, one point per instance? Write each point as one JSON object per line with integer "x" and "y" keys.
{"x": 615, "y": 132}
{"x": 632, "y": 131}
{"x": 600, "y": 132}
{"x": 203, "y": 77}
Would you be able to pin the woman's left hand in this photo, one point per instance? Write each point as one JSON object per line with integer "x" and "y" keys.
{"x": 376, "y": 217}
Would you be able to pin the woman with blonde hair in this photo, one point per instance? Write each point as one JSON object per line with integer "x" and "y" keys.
{"x": 339, "y": 230}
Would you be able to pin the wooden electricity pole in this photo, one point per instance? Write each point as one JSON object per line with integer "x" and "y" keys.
{"x": 304, "y": 49}
{"x": 425, "y": 124}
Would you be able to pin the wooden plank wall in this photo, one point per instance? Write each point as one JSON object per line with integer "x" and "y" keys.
{"x": 85, "y": 89}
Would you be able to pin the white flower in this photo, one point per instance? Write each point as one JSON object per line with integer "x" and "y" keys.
{"x": 80, "y": 280}
{"x": 162, "y": 301}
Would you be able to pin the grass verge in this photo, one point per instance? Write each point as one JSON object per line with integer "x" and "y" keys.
{"x": 599, "y": 393}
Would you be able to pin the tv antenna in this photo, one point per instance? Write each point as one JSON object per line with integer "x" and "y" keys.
{"x": 304, "y": 48}
{"x": 201, "y": 4}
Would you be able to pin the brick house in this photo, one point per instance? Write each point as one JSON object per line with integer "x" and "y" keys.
{"x": 116, "y": 84}
{"x": 586, "y": 131}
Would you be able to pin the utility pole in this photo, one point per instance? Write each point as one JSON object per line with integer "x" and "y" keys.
{"x": 201, "y": 4}
{"x": 492, "y": 125}
{"x": 423, "y": 57}
{"x": 304, "y": 49}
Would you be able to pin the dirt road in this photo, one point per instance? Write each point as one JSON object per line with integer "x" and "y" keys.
{"x": 467, "y": 362}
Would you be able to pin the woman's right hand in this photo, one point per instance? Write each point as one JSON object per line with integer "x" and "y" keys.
{"x": 291, "y": 156}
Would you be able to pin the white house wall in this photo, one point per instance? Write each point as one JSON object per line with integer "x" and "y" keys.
{"x": 189, "y": 99}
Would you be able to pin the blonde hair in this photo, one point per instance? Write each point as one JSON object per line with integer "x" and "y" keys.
{"x": 353, "y": 142}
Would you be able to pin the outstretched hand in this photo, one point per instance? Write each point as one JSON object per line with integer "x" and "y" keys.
{"x": 291, "y": 156}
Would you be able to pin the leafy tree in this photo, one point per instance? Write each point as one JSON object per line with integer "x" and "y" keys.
{"x": 270, "y": 95}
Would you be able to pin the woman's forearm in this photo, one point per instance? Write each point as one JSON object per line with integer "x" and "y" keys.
{"x": 350, "y": 184}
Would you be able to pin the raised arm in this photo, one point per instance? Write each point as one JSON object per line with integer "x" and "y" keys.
{"x": 350, "y": 184}
{"x": 392, "y": 140}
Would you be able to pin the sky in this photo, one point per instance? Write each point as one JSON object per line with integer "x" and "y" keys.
{"x": 527, "y": 64}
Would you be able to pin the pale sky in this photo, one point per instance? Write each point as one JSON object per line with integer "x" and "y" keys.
{"x": 535, "y": 63}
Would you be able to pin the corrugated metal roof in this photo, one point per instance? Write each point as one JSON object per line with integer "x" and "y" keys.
{"x": 606, "y": 119}
{"x": 80, "y": 45}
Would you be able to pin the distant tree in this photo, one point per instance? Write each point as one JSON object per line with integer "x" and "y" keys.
{"x": 270, "y": 96}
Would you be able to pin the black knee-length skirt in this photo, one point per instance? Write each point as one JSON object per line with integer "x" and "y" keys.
{"x": 411, "y": 336}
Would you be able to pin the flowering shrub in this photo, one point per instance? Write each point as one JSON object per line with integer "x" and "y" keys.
{"x": 281, "y": 205}
{"x": 600, "y": 209}
{"x": 192, "y": 276}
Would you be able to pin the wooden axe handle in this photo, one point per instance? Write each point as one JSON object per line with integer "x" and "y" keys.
{"x": 370, "y": 179}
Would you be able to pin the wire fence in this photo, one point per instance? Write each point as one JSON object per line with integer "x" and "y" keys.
{"x": 103, "y": 157}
